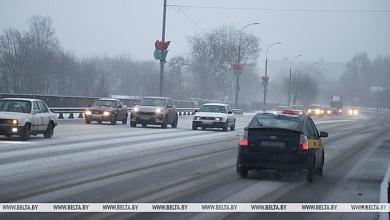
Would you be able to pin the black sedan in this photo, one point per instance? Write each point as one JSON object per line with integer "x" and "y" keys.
{"x": 281, "y": 142}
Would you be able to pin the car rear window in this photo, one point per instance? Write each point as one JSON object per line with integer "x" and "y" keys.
{"x": 276, "y": 122}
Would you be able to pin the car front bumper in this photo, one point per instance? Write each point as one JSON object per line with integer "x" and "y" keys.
{"x": 208, "y": 124}
{"x": 11, "y": 130}
{"x": 156, "y": 119}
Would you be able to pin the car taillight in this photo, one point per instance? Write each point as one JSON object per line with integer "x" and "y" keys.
{"x": 244, "y": 140}
{"x": 303, "y": 143}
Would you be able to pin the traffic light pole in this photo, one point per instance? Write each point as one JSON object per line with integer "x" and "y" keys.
{"x": 162, "y": 60}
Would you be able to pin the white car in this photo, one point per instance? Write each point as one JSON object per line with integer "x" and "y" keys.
{"x": 214, "y": 115}
{"x": 25, "y": 117}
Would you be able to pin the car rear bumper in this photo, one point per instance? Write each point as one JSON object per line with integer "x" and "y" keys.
{"x": 272, "y": 161}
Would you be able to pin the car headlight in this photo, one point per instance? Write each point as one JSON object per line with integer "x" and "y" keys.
{"x": 158, "y": 110}
{"x": 135, "y": 109}
{"x": 350, "y": 111}
{"x": 197, "y": 118}
{"x": 106, "y": 113}
{"x": 317, "y": 111}
{"x": 219, "y": 119}
{"x": 88, "y": 112}
{"x": 12, "y": 121}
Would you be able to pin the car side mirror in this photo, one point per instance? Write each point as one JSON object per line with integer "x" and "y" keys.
{"x": 323, "y": 134}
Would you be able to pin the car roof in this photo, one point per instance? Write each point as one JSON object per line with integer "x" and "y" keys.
{"x": 108, "y": 99}
{"x": 214, "y": 103}
{"x": 21, "y": 99}
{"x": 155, "y": 97}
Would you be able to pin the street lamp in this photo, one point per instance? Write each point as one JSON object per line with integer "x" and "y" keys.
{"x": 265, "y": 87}
{"x": 238, "y": 62}
{"x": 289, "y": 82}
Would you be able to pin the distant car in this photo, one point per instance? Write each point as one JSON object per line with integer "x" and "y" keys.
{"x": 327, "y": 110}
{"x": 353, "y": 111}
{"x": 281, "y": 142}
{"x": 298, "y": 109}
{"x": 214, "y": 115}
{"x": 107, "y": 109}
{"x": 25, "y": 117}
{"x": 279, "y": 109}
{"x": 315, "y": 110}
{"x": 154, "y": 111}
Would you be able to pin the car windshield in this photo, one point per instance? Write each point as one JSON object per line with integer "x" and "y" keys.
{"x": 21, "y": 106}
{"x": 213, "y": 108}
{"x": 104, "y": 103}
{"x": 281, "y": 108}
{"x": 275, "y": 122}
{"x": 152, "y": 102}
{"x": 296, "y": 107}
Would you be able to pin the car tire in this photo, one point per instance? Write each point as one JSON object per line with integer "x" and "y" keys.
{"x": 144, "y": 125}
{"x": 49, "y": 131}
{"x": 25, "y": 135}
{"x": 310, "y": 172}
{"x": 233, "y": 127}
{"x": 113, "y": 119}
{"x": 243, "y": 172}
{"x": 226, "y": 126}
{"x": 321, "y": 169}
{"x": 194, "y": 127}
{"x": 133, "y": 124}
{"x": 124, "y": 121}
{"x": 165, "y": 122}
{"x": 203, "y": 128}
{"x": 88, "y": 120}
{"x": 174, "y": 124}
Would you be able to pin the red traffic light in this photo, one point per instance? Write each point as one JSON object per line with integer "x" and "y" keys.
{"x": 161, "y": 45}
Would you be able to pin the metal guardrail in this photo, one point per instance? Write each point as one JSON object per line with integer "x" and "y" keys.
{"x": 77, "y": 110}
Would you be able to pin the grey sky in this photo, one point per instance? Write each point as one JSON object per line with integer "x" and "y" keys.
{"x": 332, "y": 30}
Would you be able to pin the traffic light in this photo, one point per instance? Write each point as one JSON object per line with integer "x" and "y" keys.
{"x": 161, "y": 51}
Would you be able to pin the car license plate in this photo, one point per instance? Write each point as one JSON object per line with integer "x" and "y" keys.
{"x": 207, "y": 122}
{"x": 273, "y": 143}
{"x": 145, "y": 118}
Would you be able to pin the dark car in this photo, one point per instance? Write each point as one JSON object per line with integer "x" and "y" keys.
{"x": 154, "y": 111}
{"x": 281, "y": 142}
{"x": 107, "y": 109}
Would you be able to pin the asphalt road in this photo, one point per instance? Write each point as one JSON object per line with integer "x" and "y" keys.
{"x": 119, "y": 164}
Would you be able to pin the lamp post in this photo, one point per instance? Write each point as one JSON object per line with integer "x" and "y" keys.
{"x": 265, "y": 87}
{"x": 238, "y": 62}
{"x": 289, "y": 82}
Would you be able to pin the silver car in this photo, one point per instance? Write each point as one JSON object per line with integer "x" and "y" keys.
{"x": 154, "y": 111}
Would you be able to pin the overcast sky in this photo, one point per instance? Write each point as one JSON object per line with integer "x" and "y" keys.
{"x": 333, "y": 30}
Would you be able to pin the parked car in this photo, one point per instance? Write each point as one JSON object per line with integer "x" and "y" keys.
{"x": 298, "y": 109}
{"x": 315, "y": 110}
{"x": 107, "y": 109}
{"x": 281, "y": 142}
{"x": 25, "y": 117}
{"x": 154, "y": 111}
{"x": 214, "y": 115}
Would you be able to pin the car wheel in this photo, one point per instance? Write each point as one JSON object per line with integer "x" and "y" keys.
{"x": 194, "y": 127}
{"x": 165, "y": 122}
{"x": 203, "y": 128}
{"x": 124, "y": 121}
{"x": 233, "y": 126}
{"x": 321, "y": 169}
{"x": 25, "y": 135}
{"x": 310, "y": 172}
{"x": 113, "y": 119}
{"x": 49, "y": 131}
{"x": 226, "y": 126}
{"x": 88, "y": 120}
{"x": 133, "y": 124}
{"x": 242, "y": 172}
{"x": 144, "y": 125}
{"x": 174, "y": 124}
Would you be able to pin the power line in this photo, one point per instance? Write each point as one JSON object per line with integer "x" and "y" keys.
{"x": 285, "y": 9}
{"x": 179, "y": 7}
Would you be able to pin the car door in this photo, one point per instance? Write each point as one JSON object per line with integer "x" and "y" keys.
{"x": 171, "y": 110}
{"x": 315, "y": 143}
{"x": 230, "y": 116}
{"x": 36, "y": 120}
{"x": 44, "y": 114}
